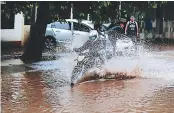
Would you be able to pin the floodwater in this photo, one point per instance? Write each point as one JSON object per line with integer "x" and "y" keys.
{"x": 43, "y": 87}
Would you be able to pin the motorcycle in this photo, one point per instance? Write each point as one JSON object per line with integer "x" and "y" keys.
{"x": 84, "y": 63}
{"x": 87, "y": 61}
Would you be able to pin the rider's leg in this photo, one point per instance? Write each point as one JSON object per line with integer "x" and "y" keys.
{"x": 103, "y": 59}
{"x": 75, "y": 75}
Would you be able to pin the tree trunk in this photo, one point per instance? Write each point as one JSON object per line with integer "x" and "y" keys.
{"x": 33, "y": 50}
{"x": 159, "y": 20}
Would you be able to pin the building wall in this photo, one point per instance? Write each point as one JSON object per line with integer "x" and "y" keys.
{"x": 15, "y": 34}
{"x": 19, "y": 34}
{"x": 9, "y": 35}
{"x": 26, "y": 34}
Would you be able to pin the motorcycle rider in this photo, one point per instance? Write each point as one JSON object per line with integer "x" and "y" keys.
{"x": 96, "y": 44}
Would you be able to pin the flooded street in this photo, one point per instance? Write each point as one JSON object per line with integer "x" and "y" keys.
{"x": 44, "y": 87}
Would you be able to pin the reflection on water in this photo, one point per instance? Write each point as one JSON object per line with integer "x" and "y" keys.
{"x": 48, "y": 90}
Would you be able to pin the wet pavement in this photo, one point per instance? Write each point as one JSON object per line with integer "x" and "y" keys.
{"x": 43, "y": 87}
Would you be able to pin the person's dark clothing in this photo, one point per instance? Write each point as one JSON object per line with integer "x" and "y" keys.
{"x": 132, "y": 28}
{"x": 148, "y": 25}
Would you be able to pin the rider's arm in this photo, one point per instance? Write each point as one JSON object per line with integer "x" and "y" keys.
{"x": 85, "y": 46}
{"x": 99, "y": 33}
{"x": 126, "y": 27}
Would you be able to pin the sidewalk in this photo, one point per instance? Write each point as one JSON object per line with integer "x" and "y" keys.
{"x": 163, "y": 41}
{"x": 11, "y": 53}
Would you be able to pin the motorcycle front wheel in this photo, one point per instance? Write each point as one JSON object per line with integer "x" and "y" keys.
{"x": 76, "y": 74}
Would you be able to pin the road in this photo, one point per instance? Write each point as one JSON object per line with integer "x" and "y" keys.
{"x": 43, "y": 87}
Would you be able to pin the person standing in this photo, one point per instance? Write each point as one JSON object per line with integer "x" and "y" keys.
{"x": 148, "y": 26}
{"x": 131, "y": 29}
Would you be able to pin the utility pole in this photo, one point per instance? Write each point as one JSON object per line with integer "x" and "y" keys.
{"x": 71, "y": 16}
{"x": 120, "y": 11}
{"x": 88, "y": 17}
{"x": 35, "y": 12}
{"x": 159, "y": 19}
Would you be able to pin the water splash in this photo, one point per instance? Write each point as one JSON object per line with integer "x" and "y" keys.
{"x": 149, "y": 63}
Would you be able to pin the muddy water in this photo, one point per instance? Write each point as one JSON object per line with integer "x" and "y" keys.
{"x": 44, "y": 87}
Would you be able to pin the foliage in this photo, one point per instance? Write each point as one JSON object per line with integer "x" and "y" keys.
{"x": 99, "y": 11}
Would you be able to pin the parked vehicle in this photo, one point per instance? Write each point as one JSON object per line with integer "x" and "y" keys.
{"x": 86, "y": 22}
{"x": 60, "y": 33}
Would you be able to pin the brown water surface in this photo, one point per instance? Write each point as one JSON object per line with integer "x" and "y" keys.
{"x": 47, "y": 91}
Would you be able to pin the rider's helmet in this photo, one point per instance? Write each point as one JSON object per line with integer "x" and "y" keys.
{"x": 93, "y": 35}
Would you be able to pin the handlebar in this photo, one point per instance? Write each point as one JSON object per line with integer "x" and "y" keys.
{"x": 99, "y": 32}
{"x": 81, "y": 54}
